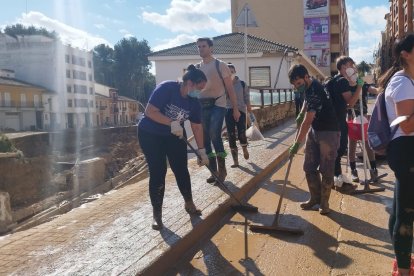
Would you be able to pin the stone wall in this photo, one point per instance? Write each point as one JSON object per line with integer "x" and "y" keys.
{"x": 272, "y": 116}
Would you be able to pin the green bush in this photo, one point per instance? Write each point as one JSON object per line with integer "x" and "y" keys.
{"x": 5, "y": 144}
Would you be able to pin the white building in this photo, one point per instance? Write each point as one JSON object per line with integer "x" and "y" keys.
{"x": 265, "y": 60}
{"x": 60, "y": 68}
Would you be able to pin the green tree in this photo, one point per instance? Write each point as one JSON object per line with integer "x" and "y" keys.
{"x": 363, "y": 68}
{"x": 103, "y": 62}
{"x": 131, "y": 67}
{"x": 19, "y": 29}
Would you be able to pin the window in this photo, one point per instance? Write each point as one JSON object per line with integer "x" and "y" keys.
{"x": 78, "y": 60}
{"x": 67, "y": 58}
{"x": 68, "y": 74}
{"x": 79, "y": 75}
{"x": 69, "y": 88}
{"x": 7, "y": 99}
{"x": 89, "y": 64}
{"x": 91, "y": 90}
{"x": 36, "y": 101}
{"x": 80, "y": 89}
{"x": 23, "y": 101}
{"x": 91, "y": 103}
{"x": 90, "y": 77}
{"x": 259, "y": 76}
{"x": 70, "y": 103}
{"x": 81, "y": 103}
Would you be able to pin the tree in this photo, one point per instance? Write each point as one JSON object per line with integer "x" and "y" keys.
{"x": 363, "y": 68}
{"x": 19, "y": 29}
{"x": 103, "y": 61}
{"x": 131, "y": 67}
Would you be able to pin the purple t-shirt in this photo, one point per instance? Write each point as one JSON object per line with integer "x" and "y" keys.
{"x": 167, "y": 98}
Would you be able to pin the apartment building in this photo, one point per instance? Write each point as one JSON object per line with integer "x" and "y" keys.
{"x": 49, "y": 63}
{"x": 399, "y": 22}
{"x": 113, "y": 109}
{"x": 318, "y": 28}
{"x": 21, "y": 104}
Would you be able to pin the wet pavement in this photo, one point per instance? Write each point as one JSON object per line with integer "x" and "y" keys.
{"x": 352, "y": 240}
{"x": 112, "y": 235}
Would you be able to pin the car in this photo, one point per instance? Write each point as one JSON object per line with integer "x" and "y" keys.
{"x": 313, "y": 4}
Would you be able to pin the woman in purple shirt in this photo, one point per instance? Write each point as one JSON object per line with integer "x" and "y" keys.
{"x": 161, "y": 133}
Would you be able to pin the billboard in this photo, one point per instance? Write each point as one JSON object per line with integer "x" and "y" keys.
{"x": 320, "y": 57}
{"x": 315, "y": 8}
{"x": 316, "y": 29}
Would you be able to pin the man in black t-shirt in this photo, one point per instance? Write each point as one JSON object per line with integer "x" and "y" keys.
{"x": 319, "y": 125}
{"x": 344, "y": 98}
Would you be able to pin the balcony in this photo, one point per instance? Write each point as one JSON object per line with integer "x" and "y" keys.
{"x": 103, "y": 107}
{"x": 124, "y": 109}
{"x": 20, "y": 105}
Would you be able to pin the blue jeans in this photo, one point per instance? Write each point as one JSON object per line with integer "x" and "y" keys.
{"x": 213, "y": 118}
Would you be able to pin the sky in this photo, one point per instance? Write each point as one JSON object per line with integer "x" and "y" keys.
{"x": 167, "y": 23}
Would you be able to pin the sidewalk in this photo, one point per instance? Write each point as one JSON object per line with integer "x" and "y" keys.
{"x": 351, "y": 240}
{"x": 113, "y": 235}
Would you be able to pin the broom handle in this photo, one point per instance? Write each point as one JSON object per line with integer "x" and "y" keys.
{"x": 282, "y": 194}
{"x": 213, "y": 173}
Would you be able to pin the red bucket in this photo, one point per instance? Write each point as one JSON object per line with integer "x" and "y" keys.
{"x": 354, "y": 131}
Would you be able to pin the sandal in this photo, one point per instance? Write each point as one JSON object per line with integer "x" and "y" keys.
{"x": 191, "y": 209}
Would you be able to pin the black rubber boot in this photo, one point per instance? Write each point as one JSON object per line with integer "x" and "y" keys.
{"x": 222, "y": 172}
{"x": 157, "y": 219}
{"x": 235, "y": 155}
{"x": 212, "y": 164}
{"x": 245, "y": 152}
{"x": 314, "y": 185}
{"x": 325, "y": 194}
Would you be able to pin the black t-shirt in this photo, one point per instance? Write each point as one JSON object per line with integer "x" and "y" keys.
{"x": 318, "y": 101}
{"x": 364, "y": 99}
{"x": 341, "y": 85}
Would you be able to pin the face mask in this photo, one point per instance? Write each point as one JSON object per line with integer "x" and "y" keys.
{"x": 352, "y": 74}
{"x": 301, "y": 88}
{"x": 194, "y": 94}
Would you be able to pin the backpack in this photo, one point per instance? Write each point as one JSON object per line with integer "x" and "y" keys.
{"x": 380, "y": 133}
{"x": 329, "y": 86}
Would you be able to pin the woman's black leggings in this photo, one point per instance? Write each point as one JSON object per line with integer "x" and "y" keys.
{"x": 400, "y": 155}
{"x": 157, "y": 148}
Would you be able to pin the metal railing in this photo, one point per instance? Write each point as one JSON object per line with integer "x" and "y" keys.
{"x": 268, "y": 96}
{"x": 16, "y": 104}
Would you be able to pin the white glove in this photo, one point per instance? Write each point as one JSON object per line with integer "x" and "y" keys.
{"x": 203, "y": 158}
{"x": 177, "y": 129}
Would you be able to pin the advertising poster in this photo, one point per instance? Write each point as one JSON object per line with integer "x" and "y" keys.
{"x": 315, "y": 8}
{"x": 316, "y": 29}
{"x": 320, "y": 57}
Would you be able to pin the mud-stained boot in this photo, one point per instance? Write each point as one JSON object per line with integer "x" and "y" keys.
{"x": 222, "y": 172}
{"x": 212, "y": 164}
{"x": 235, "y": 155}
{"x": 325, "y": 194}
{"x": 245, "y": 152}
{"x": 314, "y": 185}
{"x": 157, "y": 219}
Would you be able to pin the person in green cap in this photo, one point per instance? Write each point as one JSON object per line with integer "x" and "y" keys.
{"x": 318, "y": 123}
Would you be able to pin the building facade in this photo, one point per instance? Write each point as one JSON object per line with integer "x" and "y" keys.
{"x": 319, "y": 28}
{"x": 399, "y": 22}
{"x": 21, "y": 104}
{"x": 60, "y": 68}
{"x": 112, "y": 109}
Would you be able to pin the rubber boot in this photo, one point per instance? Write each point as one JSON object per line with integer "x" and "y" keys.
{"x": 245, "y": 152}
{"x": 325, "y": 194}
{"x": 235, "y": 155}
{"x": 314, "y": 185}
{"x": 212, "y": 164}
{"x": 222, "y": 172}
{"x": 157, "y": 219}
